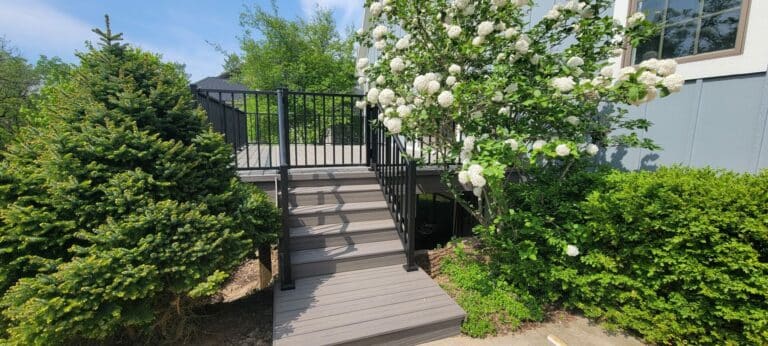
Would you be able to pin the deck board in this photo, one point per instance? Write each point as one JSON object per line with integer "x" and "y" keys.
{"x": 348, "y": 306}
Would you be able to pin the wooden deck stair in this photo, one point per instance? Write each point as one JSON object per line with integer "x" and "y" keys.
{"x": 351, "y": 287}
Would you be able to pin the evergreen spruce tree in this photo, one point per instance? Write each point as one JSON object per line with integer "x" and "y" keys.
{"x": 121, "y": 210}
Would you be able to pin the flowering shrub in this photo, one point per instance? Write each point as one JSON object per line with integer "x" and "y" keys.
{"x": 498, "y": 93}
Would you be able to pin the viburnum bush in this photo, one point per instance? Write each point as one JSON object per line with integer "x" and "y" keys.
{"x": 500, "y": 94}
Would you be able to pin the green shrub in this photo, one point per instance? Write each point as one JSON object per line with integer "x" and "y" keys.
{"x": 125, "y": 208}
{"x": 679, "y": 255}
{"x": 491, "y": 304}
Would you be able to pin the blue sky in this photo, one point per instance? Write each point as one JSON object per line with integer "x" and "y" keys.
{"x": 176, "y": 29}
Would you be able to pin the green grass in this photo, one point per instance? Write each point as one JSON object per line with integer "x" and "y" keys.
{"x": 492, "y": 305}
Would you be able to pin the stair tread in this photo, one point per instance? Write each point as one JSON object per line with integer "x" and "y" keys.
{"x": 346, "y": 252}
{"x": 387, "y": 309}
{"x": 335, "y": 208}
{"x": 331, "y": 175}
{"x": 342, "y": 228}
{"x": 334, "y": 189}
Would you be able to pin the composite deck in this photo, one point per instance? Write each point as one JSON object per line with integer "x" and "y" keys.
{"x": 347, "y": 261}
{"x": 384, "y": 305}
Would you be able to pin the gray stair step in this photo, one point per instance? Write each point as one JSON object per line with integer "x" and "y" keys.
{"x": 394, "y": 308}
{"x": 334, "y": 194}
{"x": 336, "y": 259}
{"x": 321, "y": 236}
{"x": 324, "y": 214}
{"x": 332, "y": 178}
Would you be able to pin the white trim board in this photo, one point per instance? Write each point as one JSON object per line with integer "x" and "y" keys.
{"x": 753, "y": 59}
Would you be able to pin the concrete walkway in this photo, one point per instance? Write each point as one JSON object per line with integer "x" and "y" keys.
{"x": 576, "y": 332}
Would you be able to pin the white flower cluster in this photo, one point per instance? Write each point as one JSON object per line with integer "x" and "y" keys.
{"x": 427, "y": 83}
{"x": 563, "y": 84}
{"x": 473, "y": 177}
{"x": 635, "y": 19}
{"x": 572, "y": 250}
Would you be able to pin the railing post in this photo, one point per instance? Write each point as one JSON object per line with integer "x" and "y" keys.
{"x": 286, "y": 278}
{"x": 371, "y": 138}
{"x": 410, "y": 195}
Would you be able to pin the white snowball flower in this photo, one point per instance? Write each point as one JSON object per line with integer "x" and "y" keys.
{"x": 498, "y": 96}
{"x": 673, "y": 82}
{"x": 460, "y": 4}
{"x": 667, "y": 67}
{"x": 373, "y": 95}
{"x": 504, "y": 111}
{"x": 404, "y": 110}
{"x": 454, "y": 69}
{"x": 606, "y": 72}
{"x": 375, "y": 9}
{"x": 360, "y": 104}
{"x": 538, "y": 144}
{"x": 635, "y": 19}
{"x": 380, "y": 45}
{"x": 381, "y": 116}
{"x": 553, "y": 14}
{"x": 403, "y": 43}
{"x": 380, "y": 80}
{"x": 522, "y": 46}
{"x": 649, "y": 78}
{"x": 361, "y": 80}
{"x": 477, "y": 191}
{"x": 509, "y": 33}
{"x": 499, "y": 3}
{"x": 400, "y": 101}
{"x": 420, "y": 83}
{"x": 469, "y": 143}
{"x": 500, "y": 27}
{"x": 512, "y": 144}
{"x": 572, "y": 250}
{"x": 445, "y": 99}
{"x": 573, "y": 120}
{"x": 478, "y": 40}
{"x": 453, "y": 31}
{"x": 625, "y": 72}
{"x": 418, "y": 101}
{"x": 450, "y": 81}
{"x": 469, "y": 10}
{"x": 362, "y": 63}
{"x": 535, "y": 59}
{"x": 397, "y": 65}
{"x": 563, "y": 84}
{"x": 591, "y": 149}
{"x": 379, "y": 32}
{"x": 562, "y": 150}
{"x": 476, "y": 175}
{"x": 485, "y": 28}
{"x": 574, "y": 62}
{"x": 463, "y": 177}
{"x": 432, "y": 87}
{"x": 394, "y": 125}
{"x": 651, "y": 64}
{"x": 386, "y": 97}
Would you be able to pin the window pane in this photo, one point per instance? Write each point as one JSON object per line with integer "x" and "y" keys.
{"x": 678, "y": 40}
{"x": 718, "y": 32}
{"x": 653, "y": 9}
{"x": 681, "y": 10}
{"x": 711, "y": 6}
{"x": 647, "y": 50}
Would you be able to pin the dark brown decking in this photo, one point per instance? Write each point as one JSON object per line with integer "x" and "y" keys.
{"x": 375, "y": 306}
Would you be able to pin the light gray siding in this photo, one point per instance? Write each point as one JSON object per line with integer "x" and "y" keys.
{"x": 718, "y": 122}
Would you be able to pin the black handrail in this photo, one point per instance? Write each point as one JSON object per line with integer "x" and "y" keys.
{"x": 396, "y": 172}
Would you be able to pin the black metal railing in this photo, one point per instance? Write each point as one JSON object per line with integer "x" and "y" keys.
{"x": 324, "y": 129}
{"x": 396, "y": 171}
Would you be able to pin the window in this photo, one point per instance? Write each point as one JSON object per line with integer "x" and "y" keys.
{"x": 691, "y": 29}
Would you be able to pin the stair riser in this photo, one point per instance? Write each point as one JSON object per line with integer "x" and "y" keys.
{"x": 413, "y": 336}
{"x": 334, "y": 182}
{"x": 343, "y": 265}
{"x": 335, "y": 198}
{"x": 338, "y": 217}
{"x": 318, "y": 242}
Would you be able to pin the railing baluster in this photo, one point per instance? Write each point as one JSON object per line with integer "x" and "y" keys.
{"x": 286, "y": 279}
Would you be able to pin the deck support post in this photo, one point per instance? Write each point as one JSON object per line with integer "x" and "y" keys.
{"x": 284, "y": 255}
{"x": 410, "y": 195}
